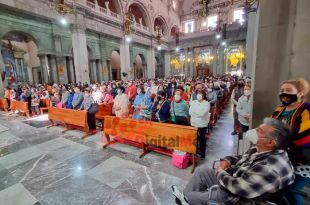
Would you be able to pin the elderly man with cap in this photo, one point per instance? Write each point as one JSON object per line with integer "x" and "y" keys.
{"x": 261, "y": 171}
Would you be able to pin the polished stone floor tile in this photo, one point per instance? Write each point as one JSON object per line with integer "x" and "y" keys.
{"x": 3, "y": 128}
{"x": 7, "y": 139}
{"x": 17, "y": 195}
{"x": 114, "y": 171}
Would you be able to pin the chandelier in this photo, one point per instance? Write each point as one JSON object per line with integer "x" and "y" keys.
{"x": 62, "y": 8}
{"x": 127, "y": 23}
{"x": 158, "y": 36}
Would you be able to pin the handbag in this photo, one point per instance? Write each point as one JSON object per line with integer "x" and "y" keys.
{"x": 180, "y": 159}
{"x": 93, "y": 108}
{"x": 179, "y": 120}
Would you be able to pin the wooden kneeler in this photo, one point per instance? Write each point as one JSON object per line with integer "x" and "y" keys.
{"x": 152, "y": 136}
{"x": 71, "y": 119}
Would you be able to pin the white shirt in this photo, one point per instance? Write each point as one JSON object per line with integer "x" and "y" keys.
{"x": 97, "y": 96}
{"x": 121, "y": 101}
{"x": 199, "y": 112}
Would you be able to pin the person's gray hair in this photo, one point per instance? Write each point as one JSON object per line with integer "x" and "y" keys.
{"x": 281, "y": 133}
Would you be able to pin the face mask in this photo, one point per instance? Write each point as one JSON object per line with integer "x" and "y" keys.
{"x": 209, "y": 90}
{"x": 177, "y": 97}
{"x": 139, "y": 91}
{"x": 199, "y": 97}
{"x": 251, "y": 135}
{"x": 119, "y": 92}
{"x": 247, "y": 92}
{"x": 287, "y": 99}
{"x": 159, "y": 98}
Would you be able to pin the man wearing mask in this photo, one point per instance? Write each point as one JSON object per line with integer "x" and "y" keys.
{"x": 236, "y": 94}
{"x": 243, "y": 110}
{"x": 211, "y": 95}
{"x": 77, "y": 98}
{"x": 131, "y": 91}
{"x": 171, "y": 88}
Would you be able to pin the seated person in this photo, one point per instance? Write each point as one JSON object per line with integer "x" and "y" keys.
{"x": 179, "y": 109}
{"x": 261, "y": 171}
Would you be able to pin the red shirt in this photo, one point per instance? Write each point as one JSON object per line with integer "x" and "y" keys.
{"x": 131, "y": 92}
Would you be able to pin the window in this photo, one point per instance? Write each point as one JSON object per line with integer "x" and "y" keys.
{"x": 212, "y": 21}
{"x": 239, "y": 15}
{"x": 189, "y": 26}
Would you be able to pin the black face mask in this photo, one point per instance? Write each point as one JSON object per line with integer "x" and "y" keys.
{"x": 287, "y": 99}
{"x": 159, "y": 98}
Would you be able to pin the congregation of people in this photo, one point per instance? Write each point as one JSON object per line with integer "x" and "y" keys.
{"x": 279, "y": 161}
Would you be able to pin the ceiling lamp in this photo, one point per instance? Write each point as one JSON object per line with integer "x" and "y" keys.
{"x": 62, "y": 8}
{"x": 127, "y": 25}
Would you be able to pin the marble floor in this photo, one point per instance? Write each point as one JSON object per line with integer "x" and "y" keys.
{"x": 40, "y": 165}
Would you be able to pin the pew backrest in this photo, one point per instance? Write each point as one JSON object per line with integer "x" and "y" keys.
{"x": 104, "y": 110}
{"x": 3, "y": 104}
{"x": 68, "y": 116}
{"x": 19, "y": 105}
{"x": 171, "y": 136}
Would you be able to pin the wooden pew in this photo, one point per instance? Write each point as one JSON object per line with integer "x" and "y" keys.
{"x": 152, "y": 136}
{"x": 72, "y": 119}
{"x": 46, "y": 103}
{"x": 3, "y": 104}
{"x": 104, "y": 110}
{"x": 20, "y": 106}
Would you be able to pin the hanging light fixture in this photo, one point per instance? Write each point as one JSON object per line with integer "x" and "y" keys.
{"x": 127, "y": 25}
{"x": 63, "y": 9}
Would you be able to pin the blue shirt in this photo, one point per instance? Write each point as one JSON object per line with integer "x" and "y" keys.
{"x": 139, "y": 100}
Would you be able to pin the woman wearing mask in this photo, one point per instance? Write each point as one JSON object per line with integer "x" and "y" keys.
{"x": 179, "y": 109}
{"x": 121, "y": 103}
{"x": 199, "y": 112}
{"x": 142, "y": 104}
{"x": 35, "y": 101}
{"x": 161, "y": 108}
{"x": 86, "y": 104}
{"x": 70, "y": 99}
{"x": 295, "y": 111}
{"x": 243, "y": 110}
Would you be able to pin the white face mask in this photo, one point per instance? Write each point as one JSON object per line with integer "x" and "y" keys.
{"x": 199, "y": 97}
{"x": 177, "y": 97}
{"x": 251, "y": 135}
{"x": 209, "y": 90}
{"x": 247, "y": 92}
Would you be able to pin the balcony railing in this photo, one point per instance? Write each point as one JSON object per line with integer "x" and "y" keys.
{"x": 91, "y": 4}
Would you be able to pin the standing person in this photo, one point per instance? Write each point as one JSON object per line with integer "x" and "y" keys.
{"x": 237, "y": 93}
{"x": 86, "y": 104}
{"x": 131, "y": 91}
{"x": 142, "y": 104}
{"x": 295, "y": 112}
{"x": 179, "y": 109}
{"x": 199, "y": 112}
{"x": 97, "y": 94}
{"x": 7, "y": 94}
{"x": 65, "y": 96}
{"x": 77, "y": 98}
{"x": 70, "y": 99}
{"x": 161, "y": 108}
{"x": 35, "y": 101}
{"x": 211, "y": 96}
{"x": 198, "y": 88}
{"x": 121, "y": 103}
{"x": 243, "y": 110}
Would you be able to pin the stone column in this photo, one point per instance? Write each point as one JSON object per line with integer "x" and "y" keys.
{"x": 94, "y": 65}
{"x": 44, "y": 68}
{"x": 192, "y": 63}
{"x": 186, "y": 62}
{"x": 71, "y": 70}
{"x": 125, "y": 60}
{"x": 2, "y": 68}
{"x": 221, "y": 63}
{"x": 167, "y": 64}
{"x": 80, "y": 50}
{"x": 62, "y": 69}
{"x": 150, "y": 72}
{"x": 53, "y": 67}
{"x": 251, "y": 42}
{"x": 215, "y": 60}
{"x": 100, "y": 71}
